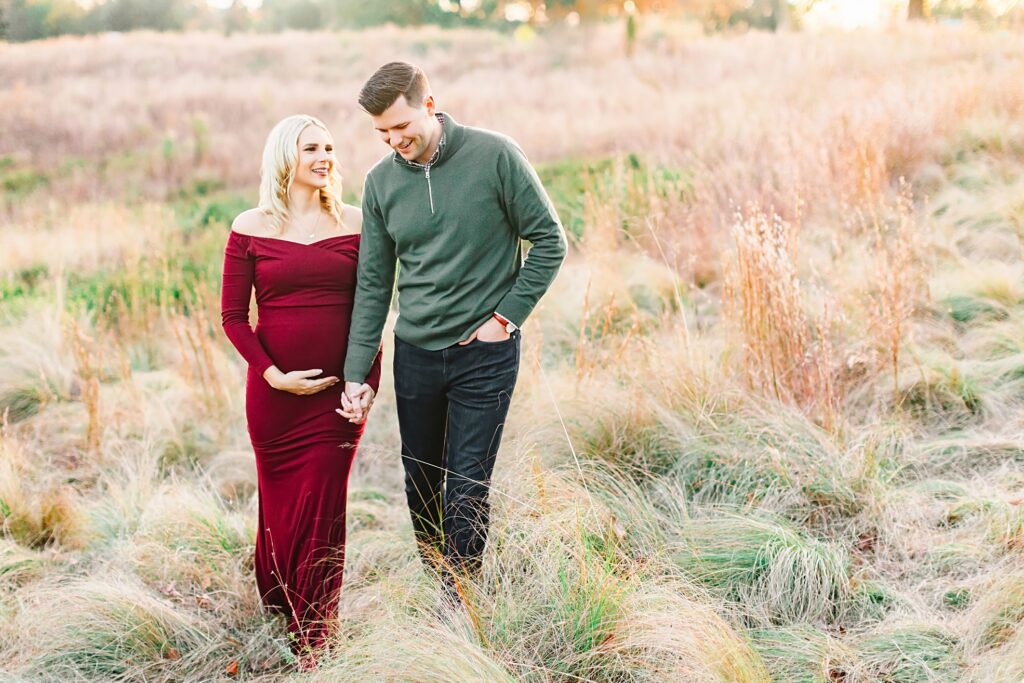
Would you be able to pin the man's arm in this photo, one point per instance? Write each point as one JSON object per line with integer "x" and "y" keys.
{"x": 533, "y": 216}
{"x": 374, "y": 287}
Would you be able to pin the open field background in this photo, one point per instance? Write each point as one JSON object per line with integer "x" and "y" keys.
{"x": 770, "y": 423}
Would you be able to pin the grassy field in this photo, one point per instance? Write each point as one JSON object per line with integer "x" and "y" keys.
{"x": 770, "y": 421}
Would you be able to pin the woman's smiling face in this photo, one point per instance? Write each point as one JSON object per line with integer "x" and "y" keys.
{"x": 315, "y": 162}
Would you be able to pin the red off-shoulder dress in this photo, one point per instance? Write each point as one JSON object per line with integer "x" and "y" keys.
{"x": 304, "y": 450}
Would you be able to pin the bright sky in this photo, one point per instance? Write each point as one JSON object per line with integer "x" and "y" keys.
{"x": 846, "y": 13}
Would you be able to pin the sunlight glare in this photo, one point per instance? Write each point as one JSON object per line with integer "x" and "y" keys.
{"x": 846, "y": 14}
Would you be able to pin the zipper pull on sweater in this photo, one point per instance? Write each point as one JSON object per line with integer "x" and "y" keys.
{"x": 430, "y": 191}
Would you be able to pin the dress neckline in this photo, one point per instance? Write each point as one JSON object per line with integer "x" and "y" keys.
{"x": 301, "y": 244}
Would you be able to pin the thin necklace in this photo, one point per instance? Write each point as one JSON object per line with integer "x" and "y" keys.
{"x": 316, "y": 224}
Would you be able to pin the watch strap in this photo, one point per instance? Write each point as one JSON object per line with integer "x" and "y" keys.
{"x": 509, "y": 326}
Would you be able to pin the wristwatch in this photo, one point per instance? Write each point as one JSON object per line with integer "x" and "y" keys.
{"x": 509, "y": 326}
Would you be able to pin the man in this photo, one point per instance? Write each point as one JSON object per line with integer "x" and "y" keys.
{"x": 450, "y": 204}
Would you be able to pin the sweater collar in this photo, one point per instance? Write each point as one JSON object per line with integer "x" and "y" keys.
{"x": 451, "y": 139}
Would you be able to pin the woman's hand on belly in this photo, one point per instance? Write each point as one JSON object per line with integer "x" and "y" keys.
{"x": 298, "y": 382}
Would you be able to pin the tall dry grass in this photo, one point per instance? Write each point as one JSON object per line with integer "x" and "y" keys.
{"x": 762, "y": 123}
{"x": 785, "y": 353}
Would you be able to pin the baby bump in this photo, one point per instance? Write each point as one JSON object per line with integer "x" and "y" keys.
{"x": 306, "y": 339}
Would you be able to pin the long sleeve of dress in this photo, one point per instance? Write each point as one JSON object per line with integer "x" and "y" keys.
{"x": 236, "y": 290}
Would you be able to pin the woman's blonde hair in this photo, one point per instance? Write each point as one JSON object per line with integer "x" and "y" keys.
{"x": 278, "y": 171}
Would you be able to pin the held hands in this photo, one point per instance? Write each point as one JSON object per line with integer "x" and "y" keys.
{"x": 490, "y": 331}
{"x": 298, "y": 382}
{"x": 356, "y": 402}
{"x": 358, "y": 398}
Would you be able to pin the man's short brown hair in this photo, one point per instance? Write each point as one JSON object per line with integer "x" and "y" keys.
{"x": 390, "y": 81}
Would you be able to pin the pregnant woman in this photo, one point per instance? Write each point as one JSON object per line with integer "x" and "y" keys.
{"x": 299, "y": 250}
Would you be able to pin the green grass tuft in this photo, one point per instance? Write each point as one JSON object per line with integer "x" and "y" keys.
{"x": 912, "y": 654}
{"x": 772, "y": 570}
{"x": 969, "y": 309}
{"x": 800, "y": 654}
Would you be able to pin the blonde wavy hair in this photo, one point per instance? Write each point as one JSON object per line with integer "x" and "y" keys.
{"x": 278, "y": 171}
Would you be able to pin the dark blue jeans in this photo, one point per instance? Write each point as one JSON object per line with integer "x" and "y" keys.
{"x": 452, "y": 406}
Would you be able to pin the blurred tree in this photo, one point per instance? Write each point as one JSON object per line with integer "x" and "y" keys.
{"x": 982, "y": 12}
{"x": 630, "y": 34}
{"x": 26, "y": 20}
{"x": 65, "y": 16}
{"x": 587, "y": 10}
{"x": 592, "y": 10}
{"x": 476, "y": 9}
{"x": 31, "y": 19}
{"x": 281, "y": 15}
{"x": 557, "y": 10}
{"x": 237, "y": 18}
{"x": 34, "y": 19}
{"x": 780, "y": 14}
{"x": 715, "y": 14}
{"x": 721, "y": 14}
{"x": 128, "y": 15}
{"x": 362, "y": 13}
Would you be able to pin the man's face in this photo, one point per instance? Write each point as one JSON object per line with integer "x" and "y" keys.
{"x": 407, "y": 129}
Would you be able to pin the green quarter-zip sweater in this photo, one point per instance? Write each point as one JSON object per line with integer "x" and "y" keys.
{"x": 455, "y": 227}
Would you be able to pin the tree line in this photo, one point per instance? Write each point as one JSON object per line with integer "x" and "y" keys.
{"x": 22, "y": 20}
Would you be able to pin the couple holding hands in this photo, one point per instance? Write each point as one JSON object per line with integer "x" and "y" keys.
{"x": 446, "y": 209}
